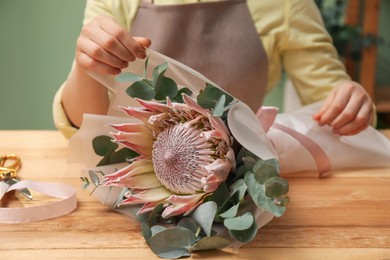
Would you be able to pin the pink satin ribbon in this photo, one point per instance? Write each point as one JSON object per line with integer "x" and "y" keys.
{"x": 267, "y": 115}
{"x": 52, "y": 210}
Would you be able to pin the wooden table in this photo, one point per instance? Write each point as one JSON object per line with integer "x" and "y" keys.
{"x": 344, "y": 216}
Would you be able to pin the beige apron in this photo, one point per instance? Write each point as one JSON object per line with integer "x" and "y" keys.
{"x": 218, "y": 39}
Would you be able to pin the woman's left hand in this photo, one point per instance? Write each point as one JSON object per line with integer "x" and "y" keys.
{"x": 348, "y": 109}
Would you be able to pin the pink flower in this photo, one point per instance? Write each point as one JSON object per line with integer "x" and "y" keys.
{"x": 186, "y": 153}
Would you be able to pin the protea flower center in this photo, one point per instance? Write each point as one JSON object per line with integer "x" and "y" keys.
{"x": 179, "y": 154}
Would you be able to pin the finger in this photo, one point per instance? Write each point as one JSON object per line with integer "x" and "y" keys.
{"x": 336, "y": 106}
{"x": 109, "y": 43}
{"x": 360, "y": 122}
{"x": 145, "y": 42}
{"x": 96, "y": 52}
{"x": 350, "y": 111}
{"x": 111, "y": 27}
{"x": 324, "y": 107}
{"x": 89, "y": 63}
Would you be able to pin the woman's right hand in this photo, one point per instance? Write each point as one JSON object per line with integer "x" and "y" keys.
{"x": 105, "y": 47}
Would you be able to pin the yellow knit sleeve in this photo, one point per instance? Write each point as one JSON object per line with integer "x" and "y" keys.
{"x": 308, "y": 54}
{"x": 61, "y": 120}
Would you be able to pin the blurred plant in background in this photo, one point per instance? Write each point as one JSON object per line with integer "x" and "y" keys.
{"x": 348, "y": 39}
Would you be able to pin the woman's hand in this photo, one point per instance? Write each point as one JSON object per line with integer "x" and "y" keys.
{"x": 105, "y": 47}
{"x": 348, "y": 109}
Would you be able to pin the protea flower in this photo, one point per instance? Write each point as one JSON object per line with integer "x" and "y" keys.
{"x": 185, "y": 153}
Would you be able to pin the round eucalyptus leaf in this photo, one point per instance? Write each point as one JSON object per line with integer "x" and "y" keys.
{"x": 158, "y": 73}
{"x": 275, "y": 187}
{"x": 245, "y": 236}
{"x": 179, "y": 98}
{"x": 172, "y": 243}
{"x": 146, "y": 232}
{"x": 204, "y": 215}
{"x": 128, "y": 77}
{"x": 210, "y": 96}
{"x": 219, "y": 106}
{"x": 189, "y": 223}
{"x": 167, "y": 88}
{"x": 239, "y": 223}
{"x": 157, "y": 229}
{"x": 123, "y": 155}
{"x": 208, "y": 243}
{"x": 264, "y": 170}
{"x": 230, "y": 213}
{"x": 142, "y": 89}
{"x": 103, "y": 144}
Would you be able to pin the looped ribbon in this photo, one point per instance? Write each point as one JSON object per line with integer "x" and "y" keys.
{"x": 37, "y": 213}
{"x": 267, "y": 115}
{"x": 9, "y": 182}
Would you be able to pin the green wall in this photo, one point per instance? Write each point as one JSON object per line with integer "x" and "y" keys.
{"x": 37, "y": 46}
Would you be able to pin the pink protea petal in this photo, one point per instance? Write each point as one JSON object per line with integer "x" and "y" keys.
{"x": 219, "y": 168}
{"x": 158, "y": 118}
{"x": 140, "y": 113}
{"x": 131, "y": 127}
{"x": 147, "y": 207}
{"x": 220, "y": 127}
{"x": 153, "y": 106}
{"x": 210, "y": 187}
{"x": 137, "y": 138}
{"x": 143, "y": 150}
{"x": 146, "y": 196}
{"x": 182, "y": 204}
{"x": 141, "y": 182}
{"x": 135, "y": 168}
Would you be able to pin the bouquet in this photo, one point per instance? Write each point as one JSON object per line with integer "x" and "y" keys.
{"x": 195, "y": 166}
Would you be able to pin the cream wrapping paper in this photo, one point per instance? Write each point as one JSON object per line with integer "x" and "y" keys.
{"x": 260, "y": 136}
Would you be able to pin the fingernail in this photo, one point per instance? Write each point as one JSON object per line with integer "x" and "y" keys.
{"x": 141, "y": 54}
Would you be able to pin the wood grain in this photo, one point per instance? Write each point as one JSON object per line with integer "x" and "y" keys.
{"x": 343, "y": 216}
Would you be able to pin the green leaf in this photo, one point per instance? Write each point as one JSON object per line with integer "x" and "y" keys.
{"x": 167, "y": 87}
{"x": 157, "y": 229}
{"x": 158, "y": 73}
{"x": 240, "y": 187}
{"x": 146, "y": 66}
{"x": 94, "y": 178}
{"x": 266, "y": 169}
{"x": 128, "y": 77}
{"x": 141, "y": 89}
{"x": 146, "y": 232}
{"x": 209, "y": 97}
{"x": 172, "y": 243}
{"x": 230, "y": 213}
{"x": 204, "y": 215}
{"x": 106, "y": 160}
{"x": 208, "y": 243}
{"x": 219, "y": 107}
{"x": 275, "y": 187}
{"x": 239, "y": 223}
{"x": 245, "y": 236}
{"x": 178, "y": 98}
{"x": 220, "y": 194}
{"x": 189, "y": 223}
{"x": 122, "y": 155}
{"x": 103, "y": 144}
{"x": 257, "y": 191}
{"x": 155, "y": 214}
